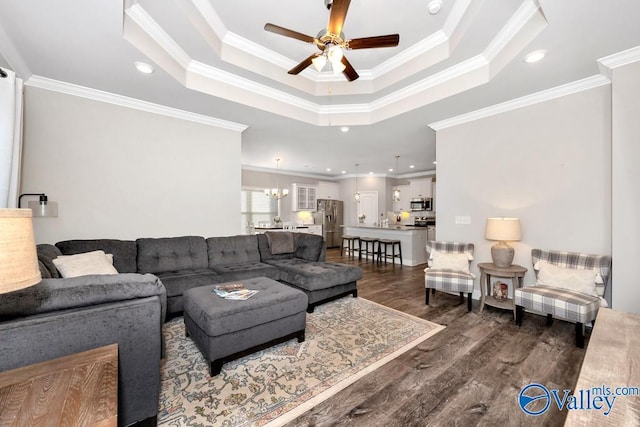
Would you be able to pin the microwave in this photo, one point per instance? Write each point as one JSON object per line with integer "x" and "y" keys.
{"x": 420, "y": 204}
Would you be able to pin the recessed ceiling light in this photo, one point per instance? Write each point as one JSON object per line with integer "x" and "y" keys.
{"x": 435, "y": 162}
{"x": 371, "y": 173}
{"x": 343, "y": 172}
{"x": 143, "y": 67}
{"x": 412, "y": 166}
{"x": 434, "y": 6}
{"x": 328, "y": 169}
{"x": 535, "y": 56}
{"x": 390, "y": 169}
{"x": 344, "y": 129}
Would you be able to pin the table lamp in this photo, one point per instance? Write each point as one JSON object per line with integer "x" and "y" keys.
{"x": 503, "y": 230}
{"x": 18, "y": 258}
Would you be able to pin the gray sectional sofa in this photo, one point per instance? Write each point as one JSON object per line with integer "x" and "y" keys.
{"x": 64, "y": 316}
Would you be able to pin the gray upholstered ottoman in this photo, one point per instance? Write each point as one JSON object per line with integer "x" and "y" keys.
{"x": 224, "y": 329}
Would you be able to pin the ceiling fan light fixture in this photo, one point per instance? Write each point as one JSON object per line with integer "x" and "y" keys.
{"x": 338, "y": 67}
{"x": 335, "y": 54}
{"x": 319, "y": 62}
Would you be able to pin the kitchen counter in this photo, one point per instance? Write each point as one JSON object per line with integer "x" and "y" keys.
{"x": 413, "y": 239}
{"x": 278, "y": 227}
{"x": 308, "y": 228}
{"x": 390, "y": 227}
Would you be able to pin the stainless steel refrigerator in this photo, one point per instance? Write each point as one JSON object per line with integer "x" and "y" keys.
{"x": 329, "y": 214}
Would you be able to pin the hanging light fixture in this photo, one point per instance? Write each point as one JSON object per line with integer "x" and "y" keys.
{"x": 396, "y": 192}
{"x": 356, "y": 195}
{"x": 333, "y": 55}
{"x": 275, "y": 192}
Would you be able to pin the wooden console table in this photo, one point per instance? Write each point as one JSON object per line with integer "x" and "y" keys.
{"x": 76, "y": 390}
{"x": 611, "y": 360}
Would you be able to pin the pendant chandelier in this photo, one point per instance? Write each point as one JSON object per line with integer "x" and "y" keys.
{"x": 275, "y": 192}
{"x": 356, "y": 195}
{"x": 396, "y": 192}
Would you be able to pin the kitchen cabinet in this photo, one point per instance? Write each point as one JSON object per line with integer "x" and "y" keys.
{"x": 304, "y": 197}
{"x": 328, "y": 190}
{"x": 403, "y": 204}
{"x": 420, "y": 187}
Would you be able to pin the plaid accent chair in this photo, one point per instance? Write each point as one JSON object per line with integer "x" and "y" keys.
{"x": 565, "y": 304}
{"x": 445, "y": 279}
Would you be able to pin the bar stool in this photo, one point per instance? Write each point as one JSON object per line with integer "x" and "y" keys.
{"x": 393, "y": 243}
{"x": 351, "y": 245}
{"x": 375, "y": 253}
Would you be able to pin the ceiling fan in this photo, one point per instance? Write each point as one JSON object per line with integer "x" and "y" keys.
{"x": 331, "y": 42}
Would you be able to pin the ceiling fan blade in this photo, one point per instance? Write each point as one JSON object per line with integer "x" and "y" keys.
{"x": 338, "y": 14}
{"x": 301, "y": 66}
{"x": 289, "y": 33}
{"x": 390, "y": 40}
{"x": 349, "y": 72}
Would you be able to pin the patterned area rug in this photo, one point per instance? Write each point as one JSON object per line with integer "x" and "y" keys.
{"x": 345, "y": 340}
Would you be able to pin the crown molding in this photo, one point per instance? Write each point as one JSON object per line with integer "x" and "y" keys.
{"x": 286, "y": 172}
{"x": 143, "y": 20}
{"x": 208, "y": 79}
{"x": 238, "y": 51}
{"x": 619, "y": 59}
{"x": 525, "y": 101}
{"x": 527, "y": 11}
{"x": 124, "y": 101}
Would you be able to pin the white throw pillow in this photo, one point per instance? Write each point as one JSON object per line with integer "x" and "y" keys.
{"x": 573, "y": 279}
{"x": 96, "y": 262}
{"x": 450, "y": 261}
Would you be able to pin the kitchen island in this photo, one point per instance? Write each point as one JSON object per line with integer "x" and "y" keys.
{"x": 413, "y": 239}
{"x": 309, "y": 228}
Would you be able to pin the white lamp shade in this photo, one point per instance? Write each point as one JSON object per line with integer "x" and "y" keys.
{"x": 335, "y": 54}
{"x": 319, "y": 62}
{"x": 18, "y": 258}
{"x": 503, "y": 229}
{"x": 338, "y": 67}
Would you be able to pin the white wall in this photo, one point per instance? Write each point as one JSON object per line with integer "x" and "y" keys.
{"x": 118, "y": 172}
{"x": 365, "y": 183}
{"x": 548, "y": 164}
{"x": 626, "y": 195}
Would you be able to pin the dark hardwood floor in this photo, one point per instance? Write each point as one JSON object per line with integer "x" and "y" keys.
{"x": 468, "y": 374}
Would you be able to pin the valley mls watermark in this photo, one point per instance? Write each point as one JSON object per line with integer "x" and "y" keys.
{"x": 535, "y": 399}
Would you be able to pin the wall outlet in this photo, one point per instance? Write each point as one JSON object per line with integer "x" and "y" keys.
{"x": 463, "y": 220}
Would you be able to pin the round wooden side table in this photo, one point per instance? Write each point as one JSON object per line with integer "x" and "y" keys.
{"x": 487, "y": 269}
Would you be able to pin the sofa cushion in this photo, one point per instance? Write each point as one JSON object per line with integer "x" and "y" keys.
{"x": 176, "y": 282}
{"x": 59, "y": 294}
{"x": 312, "y": 276}
{"x": 308, "y": 246}
{"x": 246, "y": 270}
{"x": 46, "y": 255}
{"x": 171, "y": 254}
{"x": 124, "y": 251}
{"x": 232, "y": 250}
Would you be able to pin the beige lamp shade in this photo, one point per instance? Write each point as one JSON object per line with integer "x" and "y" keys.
{"x": 502, "y": 230}
{"x": 18, "y": 258}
